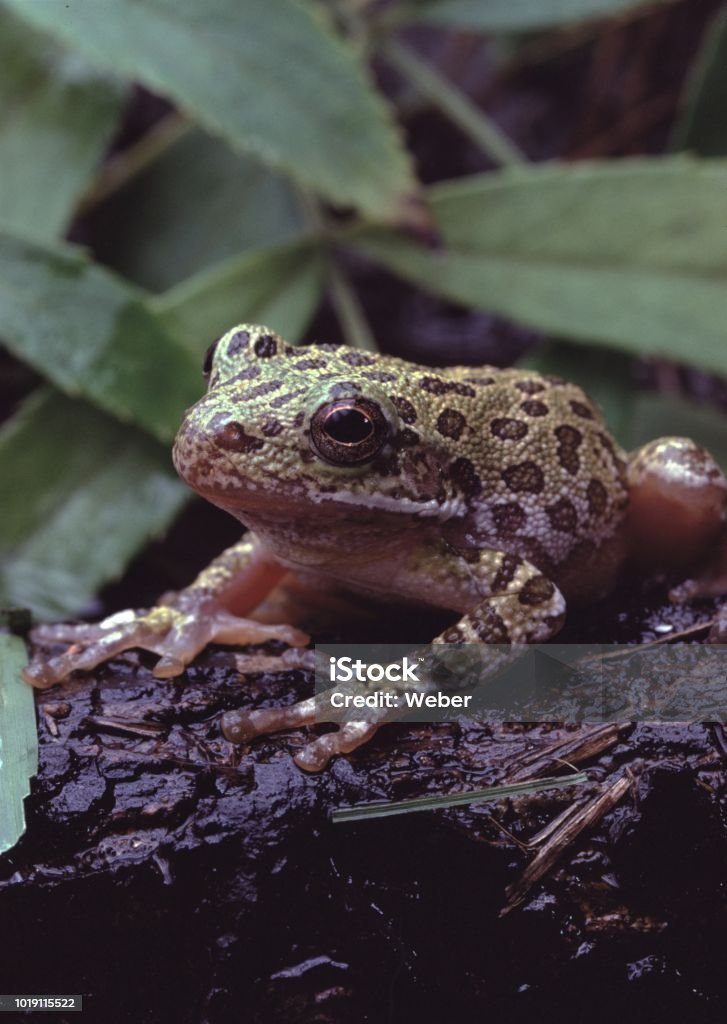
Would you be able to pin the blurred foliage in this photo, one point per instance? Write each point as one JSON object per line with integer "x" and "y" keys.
{"x": 271, "y": 154}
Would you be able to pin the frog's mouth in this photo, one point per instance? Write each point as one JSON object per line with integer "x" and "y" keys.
{"x": 234, "y": 476}
{"x": 247, "y": 504}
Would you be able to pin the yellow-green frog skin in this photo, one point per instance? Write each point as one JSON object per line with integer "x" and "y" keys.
{"x": 454, "y": 470}
{"x": 498, "y": 494}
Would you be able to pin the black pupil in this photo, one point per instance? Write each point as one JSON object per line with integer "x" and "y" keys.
{"x": 348, "y": 426}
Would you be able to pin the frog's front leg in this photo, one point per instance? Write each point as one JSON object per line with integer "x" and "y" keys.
{"x": 179, "y": 626}
{"x": 512, "y": 602}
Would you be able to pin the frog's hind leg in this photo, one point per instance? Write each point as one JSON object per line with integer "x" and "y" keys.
{"x": 520, "y": 605}
{"x": 678, "y": 519}
{"x": 677, "y": 503}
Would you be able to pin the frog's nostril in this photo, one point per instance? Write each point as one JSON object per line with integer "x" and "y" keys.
{"x": 232, "y": 437}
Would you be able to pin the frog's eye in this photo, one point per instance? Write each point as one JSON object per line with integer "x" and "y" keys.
{"x": 209, "y": 358}
{"x": 348, "y": 431}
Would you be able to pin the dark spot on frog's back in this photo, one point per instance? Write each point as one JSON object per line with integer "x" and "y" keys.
{"x": 249, "y": 373}
{"x": 508, "y": 517}
{"x": 403, "y": 406}
{"x": 237, "y": 343}
{"x": 597, "y": 497}
{"x": 508, "y": 429}
{"x": 257, "y": 391}
{"x": 379, "y": 375}
{"x": 464, "y": 476}
{"x": 451, "y": 423}
{"x": 356, "y": 358}
{"x": 529, "y": 386}
{"x": 231, "y": 437}
{"x": 532, "y": 407}
{"x": 562, "y": 515}
{"x": 435, "y": 385}
{"x": 311, "y": 364}
{"x": 281, "y": 400}
{"x": 568, "y": 437}
{"x": 438, "y": 386}
{"x": 569, "y": 440}
{"x": 582, "y": 410}
{"x": 265, "y": 346}
{"x": 526, "y": 477}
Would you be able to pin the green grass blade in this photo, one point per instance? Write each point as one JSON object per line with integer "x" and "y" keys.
{"x": 436, "y": 803}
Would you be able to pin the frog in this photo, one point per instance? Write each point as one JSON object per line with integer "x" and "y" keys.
{"x": 497, "y": 494}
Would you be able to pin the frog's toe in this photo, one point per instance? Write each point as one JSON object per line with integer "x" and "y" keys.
{"x": 224, "y": 628}
{"x": 191, "y": 633}
{"x": 242, "y": 726}
{"x": 67, "y": 633}
{"x": 94, "y": 643}
{"x": 316, "y": 755}
{"x": 176, "y": 636}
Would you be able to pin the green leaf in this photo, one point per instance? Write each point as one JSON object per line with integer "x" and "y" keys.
{"x": 87, "y": 492}
{"x": 156, "y": 231}
{"x": 280, "y": 286}
{"x": 56, "y": 117}
{"x": 702, "y": 124}
{"x": 515, "y": 15}
{"x": 270, "y": 77}
{"x": 629, "y": 253}
{"x": 91, "y": 335}
{"x": 18, "y": 740}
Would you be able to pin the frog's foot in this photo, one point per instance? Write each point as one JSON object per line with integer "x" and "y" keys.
{"x": 242, "y": 726}
{"x": 177, "y": 636}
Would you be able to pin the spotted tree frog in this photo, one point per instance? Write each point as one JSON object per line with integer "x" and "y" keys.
{"x": 497, "y": 494}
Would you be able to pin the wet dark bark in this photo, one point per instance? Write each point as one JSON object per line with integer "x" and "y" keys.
{"x": 167, "y": 875}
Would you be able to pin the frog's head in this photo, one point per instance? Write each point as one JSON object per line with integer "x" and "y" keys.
{"x": 287, "y": 433}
